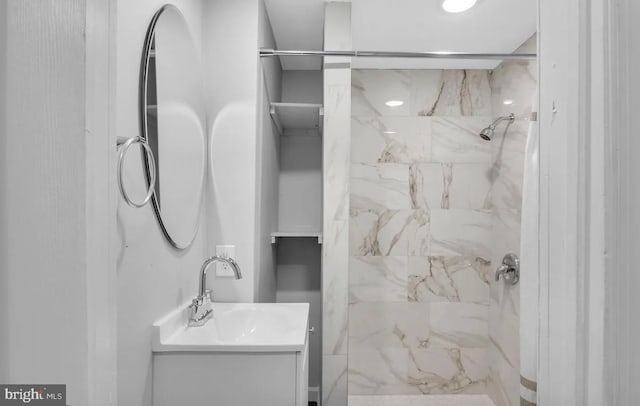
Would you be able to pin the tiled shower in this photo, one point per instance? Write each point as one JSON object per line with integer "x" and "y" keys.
{"x": 433, "y": 208}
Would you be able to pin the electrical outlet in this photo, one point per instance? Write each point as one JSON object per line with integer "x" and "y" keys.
{"x": 228, "y": 251}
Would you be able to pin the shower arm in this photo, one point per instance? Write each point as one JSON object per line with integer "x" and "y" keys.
{"x": 511, "y": 118}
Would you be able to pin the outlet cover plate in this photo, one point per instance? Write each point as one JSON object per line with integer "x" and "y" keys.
{"x": 224, "y": 270}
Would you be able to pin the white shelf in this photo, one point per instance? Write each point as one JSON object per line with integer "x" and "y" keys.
{"x": 296, "y": 234}
{"x": 297, "y": 116}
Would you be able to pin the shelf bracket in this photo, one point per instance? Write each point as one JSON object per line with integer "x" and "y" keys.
{"x": 276, "y": 119}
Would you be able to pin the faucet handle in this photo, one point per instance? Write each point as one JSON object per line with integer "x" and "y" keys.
{"x": 509, "y": 269}
{"x": 195, "y": 303}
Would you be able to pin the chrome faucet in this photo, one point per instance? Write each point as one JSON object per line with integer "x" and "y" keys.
{"x": 509, "y": 269}
{"x": 200, "y": 308}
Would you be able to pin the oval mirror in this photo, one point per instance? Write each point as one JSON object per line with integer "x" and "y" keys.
{"x": 171, "y": 112}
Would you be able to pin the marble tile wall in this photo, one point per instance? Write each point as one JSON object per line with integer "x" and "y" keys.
{"x": 335, "y": 206}
{"x": 432, "y": 210}
{"x": 420, "y": 232}
{"x": 515, "y": 82}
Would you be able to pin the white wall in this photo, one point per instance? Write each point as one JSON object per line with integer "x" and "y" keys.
{"x": 300, "y": 194}
{"x": 44, "y": 215}
{"x": 632, "y": 391}
{"x": 4, "y": 309}
{"x": 299, "y": 281}
{"x": 302, "y": 86}
{"x": 55, "y": 231}
{"x": 300, "y": 208}
{"x": 621, "y": 369}
{"x": 153, "y": 278}
{"x": 267, "y": 168}
{"x": 231, "y": 62}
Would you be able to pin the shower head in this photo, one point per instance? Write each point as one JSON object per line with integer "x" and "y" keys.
{"x": 487, "y": 133}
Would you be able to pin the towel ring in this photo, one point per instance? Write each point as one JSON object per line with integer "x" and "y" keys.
{"x": 125, "y": 143}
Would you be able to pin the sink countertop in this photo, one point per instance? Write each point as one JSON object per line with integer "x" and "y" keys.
{"x": 235, "y": 327}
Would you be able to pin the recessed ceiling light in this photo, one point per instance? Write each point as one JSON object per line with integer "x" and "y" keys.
{"x": 457, "y": 6}
{"x": 390, "y": 132}
{"x": 507, "y": 102}
{"x": 394, "y": 103}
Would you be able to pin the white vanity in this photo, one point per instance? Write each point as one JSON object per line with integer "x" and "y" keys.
{"x": 246, "y": 354}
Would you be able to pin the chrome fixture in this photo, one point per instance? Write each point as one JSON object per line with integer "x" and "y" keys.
{"x": 509, "y": 270}
{"x": 392, "y": 54}
{"x": 487, "y": 133}
{"x": 178, "y": 222}
{"x": 124, "y": 144}
{"x": 200, "y": 307}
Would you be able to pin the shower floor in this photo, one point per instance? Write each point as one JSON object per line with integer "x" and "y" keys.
{"x": 430, "y": 400}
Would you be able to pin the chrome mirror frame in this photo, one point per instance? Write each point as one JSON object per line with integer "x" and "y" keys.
{"x": 144, "y": 129}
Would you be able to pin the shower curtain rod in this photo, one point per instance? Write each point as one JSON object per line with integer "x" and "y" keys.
{"x": 386, "y": 54}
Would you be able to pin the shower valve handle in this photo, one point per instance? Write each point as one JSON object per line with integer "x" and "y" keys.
{"x": 509, "y": 270}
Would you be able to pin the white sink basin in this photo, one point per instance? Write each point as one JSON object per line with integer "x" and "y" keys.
{"x": 236, "y": 327}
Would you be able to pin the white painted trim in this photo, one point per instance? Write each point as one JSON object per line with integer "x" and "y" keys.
{"x": 619, "y": 369}
{"x": 597, "y": 118}
{"x": 574, "y": 82}
{"x": 101, "y": 203}
{"x": 559, "y": 185}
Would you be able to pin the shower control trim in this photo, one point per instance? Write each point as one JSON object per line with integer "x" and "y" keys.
{"x": 509, "y": 270}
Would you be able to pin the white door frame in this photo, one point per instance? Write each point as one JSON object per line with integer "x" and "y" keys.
{"x": 101, "y": 202}
{"x": 577, "y": 56}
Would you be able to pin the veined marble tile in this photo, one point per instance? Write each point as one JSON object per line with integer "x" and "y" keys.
{"x": 426, "y": 88}
{"x": 515, "y": 81}
{"x": 379, "y": 372}
{"x": 380, "y": 186}
{"x": 507, "y": 300}
{"x": 506, "y": 232}
{"x": 420, "y": 400}
{"x": 450, "y": 186}
{"x": 448, "y": 370}
{"x": 372, "y": 88}
{"x": 504, "y": 332}
{"x": 456, "y": 139}
{"x": 378, "y": 279}
{"x": 335, "y": 288}
{"x": 460, "y": 233}
{"x": 336, "y": 166}
{"x": 390, "y": 139}
{"x": 418, "y": 233}
{"x": 388, "y": 232}
{"x": 388, "y": 325}
{"x": 504, "y": 387}
{"x": 336, "y": 154}
{"x": 338, "y": 99}
{"x": 334, "y": 380}
{"x": 462, "y": 325}
{"x": 508, "y": 169}
{"x": 404, "y": 372}
{"x": 450, "y": 93}
{"x": 449, "y": 279}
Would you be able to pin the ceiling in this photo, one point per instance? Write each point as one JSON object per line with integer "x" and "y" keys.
{"x": 297, "y": 25}
{"x": 492, "y": 26}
